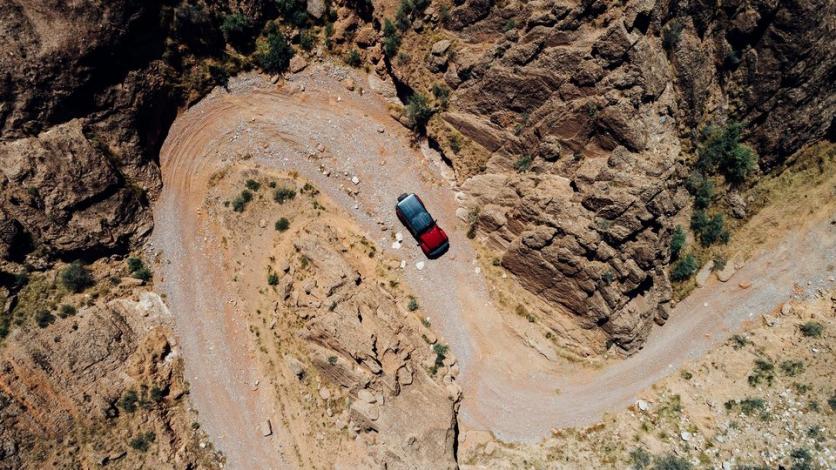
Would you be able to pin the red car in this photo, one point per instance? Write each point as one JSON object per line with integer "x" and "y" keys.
{"x": 412, "y": 213}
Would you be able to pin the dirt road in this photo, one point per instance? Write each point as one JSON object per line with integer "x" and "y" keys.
{"x": 329, "y": 136}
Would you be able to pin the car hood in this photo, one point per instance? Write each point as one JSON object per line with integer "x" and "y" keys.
{"x": 433, "y": 237}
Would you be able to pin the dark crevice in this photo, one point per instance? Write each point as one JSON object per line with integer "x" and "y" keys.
{"x": 641, "y": 289}
{"x": 433, "y": 143}
{"x": 642, "y": 22}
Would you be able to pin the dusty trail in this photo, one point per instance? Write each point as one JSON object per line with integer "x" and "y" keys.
{"x": 509, "y": 388}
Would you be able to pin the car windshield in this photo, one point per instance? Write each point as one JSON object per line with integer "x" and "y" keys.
{"x": 422, "y": 221}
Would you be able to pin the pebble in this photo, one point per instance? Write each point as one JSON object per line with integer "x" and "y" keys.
{"x": 419, "y": 265}
{"x": 380, "y": 129}
{"x": 399, "y": 236}
{"x": 355, "y": 180}
{"x": 685, "y": 435}
{"x": 396, "y": 245}
{"x": 643, "y": 405}
{"x": 324, "y": 393}
{"x": 262, "y": 223}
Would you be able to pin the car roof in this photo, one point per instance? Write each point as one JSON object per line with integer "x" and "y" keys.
{"x": 411, "y": 206}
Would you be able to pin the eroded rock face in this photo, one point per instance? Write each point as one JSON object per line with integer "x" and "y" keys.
{"x": 60, "y": 382}
{"x": 363, "y": 344}
{"x": 573, "y": 117}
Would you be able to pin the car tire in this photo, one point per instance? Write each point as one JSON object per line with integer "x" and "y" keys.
{"x": 402, "y": 197}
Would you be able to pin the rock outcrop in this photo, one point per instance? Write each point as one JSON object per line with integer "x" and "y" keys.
{"x": 567, "y": 121}
{"x": 63, "y": 389}
{"x": 368, "y": 349}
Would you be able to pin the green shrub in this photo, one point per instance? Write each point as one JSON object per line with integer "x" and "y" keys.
{"x": 440, "y": 351}
{"x": 442, "y": 94}
{"x": 157, "y": 394}
{"x": 684, "y": 268}
{"x": 671, "y": 35}
{"x": 509, "y": 25}
{"x": 677, "y": 241}
{"x": 252, "y": 185}
{"x": 219, "y": 75}
{"x": 76, "y": 277}
{"x": 307, "y": 40}
{"x": 403, "y": 15}
{"x": 764, "y": 371}
{"x": 792, "y": 368}
{"x": 418, "y": 112}
{"x": 128, "y": 401}
{"x": 235, "y": 28}
{"x": 702, "y": 189}
{"x": 272, "y": 279}
{"x": 671, "y": 462}
{"x": 739, "y": 341}
{"x": 709, "y": 230}
{"x": 143, "y": 274}
{"x": 294, "y": 11}
{"x": 523, "y": 163}
{"x": 282, "y": 224}
{"x": 391, "y": 40}
{"x": 276, "y": 54}
{"x": 413, "y": 304}
{"x": 134, "y": 264}
{"x": 353, "y": 58}
{"x": 811, "y": 329}
{"x": 332, "y": 360}
{"x": 750, "y": 406}
{"x": 455, "y": 143}
{"x": 832, "y": 402}
{"x": 640, "y": 458}
{"x": 143, "y": 442}
{"x": 66, "y": 311}
{"x": 721, "y": 150}
{"x": 44, "y": 318}
{"x": 282, "y": 195}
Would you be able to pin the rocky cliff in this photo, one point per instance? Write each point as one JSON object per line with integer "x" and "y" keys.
{"x": 572, "y": 126}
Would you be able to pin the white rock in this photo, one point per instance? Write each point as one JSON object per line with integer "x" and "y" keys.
{"x": 355, "y": 180}
{"x": 462, "y": 213}
{"x": 366, "y": 396}
{"x": 685, "y": 435}
{"x": 399, "y": 236}
{"x": 396, "y": 245}
{"x": 477, "y": 270}
{"x": 324, "y": 393}
{"x": 727, "y": 466}
{"x": 266, "y": 428}
{"x": 380, "y": 129}
{"x": 403, "y": 264}
{"x": 419, "y": 265}
{"x": 643, "y": 405}
{"x": 262, "y": 223}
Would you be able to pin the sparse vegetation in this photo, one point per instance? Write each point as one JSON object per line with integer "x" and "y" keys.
{"x": 677, "y": 241}
{"x": 722, "y": 151}
{"x": 283, "y": 195}
{"x": 709, "y": 230}
{"x": 702, "y": 189}
{"x": 66, "y": 311}
{"x": 282, "y": 224}
{"x": 391, "y": 39}
{"x": 418, "y": 112}
{"x": 413, "y": 304}
{"x": 640, "y": 458}
{"x": 143, "y": 441}
{"x": 272, "y": 279}
{"x": 792, "y": 368}
{"x": 739, "y": 341}
{"x": 252, "y": 185}
{"x": 240, "y": 202}
{"x": 671, "y": 35}
{"x": 236, "y": 28}
{"x": 129, "y": 401}
{"x": 523, "y": 163}
{"x": 76, "y": 277}
{"x": 671, "y": 462}
{"x": 44, "y": 318}
{"x": 811, "y": 329}
{"x": 455, "y": 143}
{"x": 274, "y": 55}
{"x": 353, "y": 58}
{"x": 138, "y": 269}
{"x": 332, "y": 360}
{"x": 764, "y": 371}
{"x": 684, "y": 268}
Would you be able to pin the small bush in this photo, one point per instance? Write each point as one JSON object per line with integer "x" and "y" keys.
{"x": 709, "y": 230}
{"x": 307, "y": 40}
{"x": 353, "y": 58}
{"x": 684, "y": 268}
{"x": 671, "y": 35}
{"x": 272, "y": 279}
{"x": 811, "y": 329}
{"x": 391, "y": 40}
{"x": 252, "y": 185}
{"x": 523, "y": 163}
{"x": 332, "y": 360}
{"x": 455, "y": 143}
{"x": 509, "y": 25}
{"x": 282, "y": 195}
{"x": 157, "y": 394}
{"x": 832, "y": 402}
{"x": 412, "y": 305}
{"x": 129, "y": 401}
{"x": 721, "y": 150}
{"x": 640, "y": 458}
{"x": 76, "y": 277}
{"x": 687, "y": 375}
{"x": 792, "y": 368}
{"x": 235, "y": 28}
{"x": 403, "y": 15}
{"x": 702, "y": 189}
{"x": 44, "y": 318}
{"x": 134, "y": 264}
{"x": 143, "y": 274}
{"x": 442, "y": 94}
{"x": 66, "y": 311}
{"x": 418, "y": 112}
{"x": 240, "y": 201}
{"x": 739, "y": 341}
{"x": 275, "y": 55}
{"x": 440, "y": 351}
{"x": 750, "y": 406}
{"x": 294, "y": 11}
{"x": 143, "y": 442}
{"x": 764, "y": 371}
{"x": 282, "y": 224}
{"x": 671, "y": 462}
{"x": 677, "y": 241}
